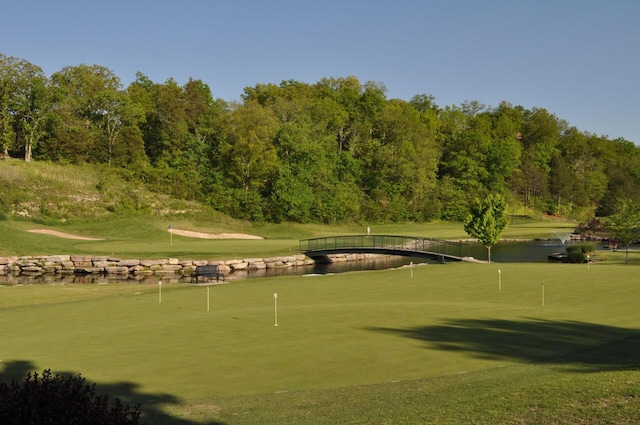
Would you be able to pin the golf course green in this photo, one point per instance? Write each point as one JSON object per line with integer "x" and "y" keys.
{"x": 457, "y": 343}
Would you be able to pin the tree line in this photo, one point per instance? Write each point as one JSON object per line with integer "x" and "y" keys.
{"x": 334, "y": 151}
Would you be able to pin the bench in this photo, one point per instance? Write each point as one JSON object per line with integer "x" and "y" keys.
{"x": 209, "y": 271}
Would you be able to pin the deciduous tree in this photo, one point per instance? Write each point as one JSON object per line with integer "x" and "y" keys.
{"x": 89, "y": 99}
{"x": 487, "y": 221}
{"x": 624, "y": 224}
{"x": 24, "y": 104}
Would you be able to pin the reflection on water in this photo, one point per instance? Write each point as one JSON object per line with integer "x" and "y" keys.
{"x": 382, "y": 263}
{"x": 503, "y": 252}
{"x": 519, "y": 252}
{"x": 75, "y": 279}
{"x": 386, "y": 262}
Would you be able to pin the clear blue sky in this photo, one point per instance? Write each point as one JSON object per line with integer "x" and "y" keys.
{"x": 579, "y": 59}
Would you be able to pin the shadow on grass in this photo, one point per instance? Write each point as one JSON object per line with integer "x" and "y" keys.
{"x": 584, "y": 347}
{"x": 127, "y": 392}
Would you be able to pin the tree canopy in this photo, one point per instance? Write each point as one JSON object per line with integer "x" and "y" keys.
{"x": 624, "y": 224}
{"x": 487, "y": 220}
{"x": 337, "y": 150}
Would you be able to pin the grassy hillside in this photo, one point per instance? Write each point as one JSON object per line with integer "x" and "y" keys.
{"x": 92, "y": 201}
{"x": 58, "y": 193}
{"x": 132, "y": 221}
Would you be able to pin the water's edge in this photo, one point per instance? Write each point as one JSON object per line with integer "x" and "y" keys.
{"x": 100, "y": 269}
{"x": 105, "y": 269}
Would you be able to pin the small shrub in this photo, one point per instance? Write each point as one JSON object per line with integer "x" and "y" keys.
{"x": 584, "y": 247}
{"x": 577, "y": 253}
{"x": 56, "y": 400}
{"x": 576, "y": 257}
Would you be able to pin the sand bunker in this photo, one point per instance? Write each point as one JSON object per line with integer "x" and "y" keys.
{"x": 186, "y": 233}
{"x": 190, "y": 234}
{"x": 64, "y": 235}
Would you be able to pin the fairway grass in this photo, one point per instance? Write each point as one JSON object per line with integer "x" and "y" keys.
{"x": 454, "y": 343}
{"x": 142, "y": 237}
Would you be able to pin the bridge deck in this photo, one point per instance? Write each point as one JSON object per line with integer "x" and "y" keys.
{"x": 440, "y": 250}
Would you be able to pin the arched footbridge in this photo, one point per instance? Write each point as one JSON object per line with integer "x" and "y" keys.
{"x": 442, "y": 251}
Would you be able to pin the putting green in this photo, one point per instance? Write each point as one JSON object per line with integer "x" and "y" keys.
{"x": 333, "y": 331}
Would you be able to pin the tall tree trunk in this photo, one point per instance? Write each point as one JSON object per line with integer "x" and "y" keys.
{"x": 626, "y": 255}
{"x": 27, "y": 152}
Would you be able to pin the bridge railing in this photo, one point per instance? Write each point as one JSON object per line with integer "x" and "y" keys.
{"x": 398, "y": 243}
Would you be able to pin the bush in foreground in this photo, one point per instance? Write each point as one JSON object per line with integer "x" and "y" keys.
{"x": 57, "y": 400}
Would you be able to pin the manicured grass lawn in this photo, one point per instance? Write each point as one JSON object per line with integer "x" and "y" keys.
{"x": 136, "y": 237}
{"x": 443, "y": 346}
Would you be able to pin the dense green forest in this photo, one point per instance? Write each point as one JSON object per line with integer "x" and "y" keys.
{"x": 335, "y": 151}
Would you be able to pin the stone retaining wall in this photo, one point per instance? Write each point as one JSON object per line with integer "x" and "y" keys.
{"x": 105, "y": 265}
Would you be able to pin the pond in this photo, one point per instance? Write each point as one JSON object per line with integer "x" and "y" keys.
{"x": 519, "y": 251}
{"x": 503, "y": 252}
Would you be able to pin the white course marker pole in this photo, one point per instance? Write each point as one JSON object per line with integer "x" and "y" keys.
{"x": 588, "y": 261}
{"x": 275, "y": 305}
{"x": 160, "y": 292}
{"x": 207, "y": 298}
{"x": 499, "y": 280}
{"x": 411, "y": 265}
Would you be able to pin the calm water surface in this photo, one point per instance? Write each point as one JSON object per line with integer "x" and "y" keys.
{"x": 503, "y": 252}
